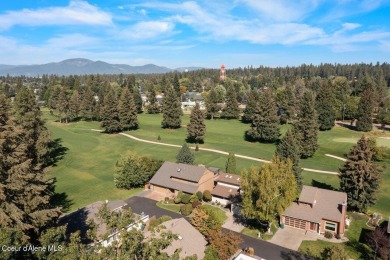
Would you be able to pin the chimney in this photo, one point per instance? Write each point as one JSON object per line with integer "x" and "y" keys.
{"x": 343, "y": 217}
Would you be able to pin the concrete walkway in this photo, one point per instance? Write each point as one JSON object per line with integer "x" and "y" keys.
{"x": 336, "y": 157}
{"x": 231, "y": 223}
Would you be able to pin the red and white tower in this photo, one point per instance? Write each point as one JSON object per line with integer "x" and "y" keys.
{"x": 222, "y": 75}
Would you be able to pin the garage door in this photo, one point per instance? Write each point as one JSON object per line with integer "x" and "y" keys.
{"x": 294, "y": 222}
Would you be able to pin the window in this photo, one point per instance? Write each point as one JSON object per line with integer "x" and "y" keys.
{"x": 330, "y": 226}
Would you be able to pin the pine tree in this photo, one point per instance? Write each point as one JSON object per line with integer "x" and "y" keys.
{"x": 306, "y": 128}
{"x": 360, "y": 176}
{"x": 35, "y": 134}
{"x": 196, "y": 129}
{"x": 231, "y": 110}
{"x": 63, "y": 105}
{"x": 288, "y": 148}
{"x": 52, "y": 102}
{"x": 250, "y": 108}
{"x": 185, "y": 155}
{"x": 153, "y": 107}
{"x": 325, "y": 106}
{"x": 171, "y": 110}
{"x": 137, "y": 99}
{"x": 176, "y": 86}
{"x": 265, "y": 125}
{"x": 127, "y": 111}
{"x": 231, "y": 164}
{"x": 366, "y": 106}
{"x": 110, "y": 114}
{"x": 212, "y": 106}
{"x": 74, "y": 104}
{"x": 289, "y": 103}
{"x": 87, "y": 106}
{"x": 25, "y": 191}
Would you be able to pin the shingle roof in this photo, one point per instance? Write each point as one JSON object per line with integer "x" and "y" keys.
{"x": 327, "y": 205}
{"x": 224, "y": 191}
{"x": 229, "y": 178}
{"x": 192, "y": 173}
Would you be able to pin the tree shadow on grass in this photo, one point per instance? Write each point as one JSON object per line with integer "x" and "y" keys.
{"x": 77, "y": 221}
{"x": 294, "y": 255}
{"x": 321, "y": 185}
{"x": 61, "y": 200}
{"x": 359, "y": 247}
{"x": 57, "y": 151}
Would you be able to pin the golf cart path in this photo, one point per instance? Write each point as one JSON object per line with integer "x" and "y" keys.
{"x": 212, "y": 150}
{"x": 336, "y": 157}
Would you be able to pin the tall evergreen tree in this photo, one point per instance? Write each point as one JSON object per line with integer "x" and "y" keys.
{"x": 231, "y": 164}
{"x": 63, "y": 105}
{"x": 250, "y": 108}
{"x": 127, "y": 111}
{"x": 153, "y": 107}
{"x": 110, "y": 114}
{"x": 306, "y": 128}
{"x": 25, "y": 191}
{"x": 185, "y": 155}
{"x": 231, "y": 110}
{"x": 87, "y": 106}
{"x": 325, "y": 106}
{"x": 74, "y": 104}
{"x": 366, "y": 106}
{"x": 52, "y": 101}
{"x": 212, "y": 106}
{"x": 171, "y": 110}
{"x": 265, "y": 124}
{"x": 176, "y": 86}
{"x": 288, "y": 148}
{"x": 137, "y": 99}
{"x": 196, "y": 129}
{"x": 289, "y": 103}
{"x": 35, "y": 134}
{"x": 360, "y": 176}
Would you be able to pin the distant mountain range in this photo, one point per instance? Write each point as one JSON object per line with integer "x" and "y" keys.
{"x": 84, "y": 66}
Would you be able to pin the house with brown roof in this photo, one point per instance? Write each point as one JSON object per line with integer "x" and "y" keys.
{"x": 174, "y": 177}
{"x": 227, "y": 188}
{"x": 317, "y": 210}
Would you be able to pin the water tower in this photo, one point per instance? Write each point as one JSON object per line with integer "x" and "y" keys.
{"x": 222, "y": 75}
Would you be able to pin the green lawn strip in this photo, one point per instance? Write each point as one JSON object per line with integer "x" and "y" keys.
{"x": 354, "y": 247}
{"x": 254, "y": 232}
{"x": 220, "y": 214}
{"x": 321, "y": 180}
{"x": 170, "y": 207}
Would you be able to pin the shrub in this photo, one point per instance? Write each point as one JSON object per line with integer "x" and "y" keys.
{"x": 158, "y": 137}
{"x": 185, "y": 198}
{"x": 199, "y": 194}
{"x": 180, "y": 194}
{"x": 328, "y": 235}
{"x": 196, "y": 204}
{"x": 186, "y": 209}
{"x": 207, "y": 195}
{"x": 177, "y": 200}
{"x": 337, "y": 236}
{"x": 166, "y": 199}
{"x": 193, "y": 198}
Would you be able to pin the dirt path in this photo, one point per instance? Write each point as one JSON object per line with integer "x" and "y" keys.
{"x": 336, "y": 157}
{"x": 213, "y": 151}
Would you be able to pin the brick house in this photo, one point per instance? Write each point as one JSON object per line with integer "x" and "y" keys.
{"x": 174, "y": 177}
{"x": 317, "y": 210}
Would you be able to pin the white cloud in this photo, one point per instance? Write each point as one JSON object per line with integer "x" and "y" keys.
{"x": 148, "y": 30}
{"x": 282, "y": 10}
{"x": 77, "y": 12}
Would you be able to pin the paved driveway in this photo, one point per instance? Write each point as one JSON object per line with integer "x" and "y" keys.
{"x": 291, "y": 237}
{"x": 148, "y": 206}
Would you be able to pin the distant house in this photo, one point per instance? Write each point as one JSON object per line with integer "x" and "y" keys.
{"x": 78, "y": 221}
{"x": 318, "y": 210}
{"x": 227, "y": 188}
{"x": 190, "y": 241}
{"x": 194, "y": 96}
{"x": 174, "y": 177}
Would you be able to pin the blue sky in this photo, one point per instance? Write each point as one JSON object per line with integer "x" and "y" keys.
{"x": 196, "y": 33}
